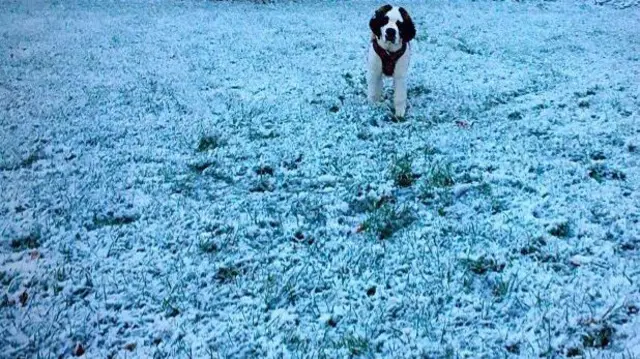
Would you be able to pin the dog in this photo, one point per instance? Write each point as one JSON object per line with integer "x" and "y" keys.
{"x": 391, "y": 31}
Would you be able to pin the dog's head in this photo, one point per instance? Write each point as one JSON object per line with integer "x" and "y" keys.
{"x": 392, "y": 26}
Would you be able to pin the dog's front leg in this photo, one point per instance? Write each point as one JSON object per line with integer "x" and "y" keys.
{"x": 374, "y": 81}
{"x": 400, "y": 95}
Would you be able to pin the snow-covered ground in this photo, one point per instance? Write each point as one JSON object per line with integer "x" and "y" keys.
{"x": 206, "y": 179}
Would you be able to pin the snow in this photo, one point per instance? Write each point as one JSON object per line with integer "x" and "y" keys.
{"x": 518, "y": 236}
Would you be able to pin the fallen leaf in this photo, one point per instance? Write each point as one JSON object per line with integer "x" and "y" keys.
{"x": 23, "y": 298}
{"x": 463, "y": 124}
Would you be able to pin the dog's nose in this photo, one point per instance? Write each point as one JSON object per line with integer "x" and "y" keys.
{"x": 390, "y": 34}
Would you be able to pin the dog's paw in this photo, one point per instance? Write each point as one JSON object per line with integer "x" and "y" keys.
{"x": 398, "y": 119}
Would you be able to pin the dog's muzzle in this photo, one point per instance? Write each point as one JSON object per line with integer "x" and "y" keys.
{"x": 390, "y": 35}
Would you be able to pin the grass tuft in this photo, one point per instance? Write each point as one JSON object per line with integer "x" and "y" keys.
{"x": 208, "y": 142}
{"x": 31, "y": 159}
{"x": 600, "y": 172}
{"x": 401, "y": 171}
{"x": 355, "y": 344}
{"x": 599, "y": 337}
{"x": 440, "y": 175}
{"x": 207, "y": 246}
{"x": 30, "y": 241}
{"x": 227, "y": 274}
{"x": 561, "y": 229}
{"x": 200, "y": 166}
{"x": 482, "y": 265}
{"x": 110, "y": 219}
{"x": 386, "y": 220}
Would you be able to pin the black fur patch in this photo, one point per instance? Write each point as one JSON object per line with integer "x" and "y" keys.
{"x": 379, "y": 19}
{"x": 406, "y": 27}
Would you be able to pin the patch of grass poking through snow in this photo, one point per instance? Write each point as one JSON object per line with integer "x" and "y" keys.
{"x": 601, "y": 172}
{"x": 6, "y": 278}
{"x": 429, "y": 151}
{"x": 356, "y": 345}
{"x": 169, "y": 308}
{"x": 184, "y": 185}
{"x": 419, "y": 90}
{"x": 33, "y": 157}
{"x": 27, "y": 162}
{"x": 386, "y": 220}
{"x": 598, "y": 337}
{"x": 574, "y": 352}
{"x": 263, "y": 184}
{"x": 485, "y": 189}
{"x": 30, "y": 241}
{"x": 265, "y": 170}
{"x": 440, "y": 175}
{"x": 60, "y": 275}
{"x": 110, "y": 219}
{"x": 501, "y": 288}
{"x": 207, "y": 246}
{"x": 513, "y": 348}
{"x": 515, "y": 116}
{"x": 533, "y": 246}
{"x": 402, "y": 173}
{"x": 227, "y": 274}
{"x": 561, "y": 229}
{"x": 434, "y": 188}
{"x": 200, "y": 166}
{"x": 498, "y": 205}
{"x": 208, "y": 142}
{"x": 482, "y": 265}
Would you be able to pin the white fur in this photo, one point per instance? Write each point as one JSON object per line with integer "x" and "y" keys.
{"x": 374, "y": 67}
{"x": 394, "y": 15}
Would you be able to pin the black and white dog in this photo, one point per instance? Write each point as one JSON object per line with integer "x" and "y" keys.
{"x": 389, "y": 54}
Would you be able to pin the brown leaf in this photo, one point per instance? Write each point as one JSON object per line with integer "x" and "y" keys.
{"x": 462, "y": 124}
{"x": 23, "y": 298}
{"x": 130, "y": 347}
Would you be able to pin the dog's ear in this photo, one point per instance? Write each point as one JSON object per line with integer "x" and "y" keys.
{"x": 377, "y": 21}
{"x": 407, "y": 29}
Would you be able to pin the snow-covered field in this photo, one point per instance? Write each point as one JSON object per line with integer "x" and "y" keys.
{"x": 206, "y": 179}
